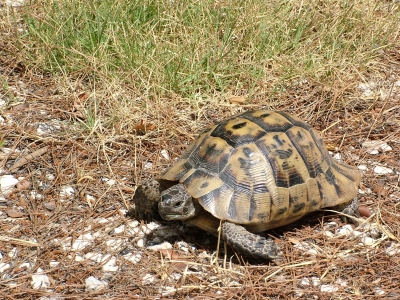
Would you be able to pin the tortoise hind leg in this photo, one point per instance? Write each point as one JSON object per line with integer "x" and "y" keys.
{"x": 250, "y": 244}
{"x": 349, "y": 209}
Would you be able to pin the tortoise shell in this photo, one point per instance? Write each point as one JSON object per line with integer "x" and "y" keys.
{"x": 263, "y": 169}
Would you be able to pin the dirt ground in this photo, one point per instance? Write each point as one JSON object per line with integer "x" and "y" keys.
{"x": 65, "y": 232}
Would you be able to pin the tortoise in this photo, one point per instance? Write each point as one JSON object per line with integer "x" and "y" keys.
{"x": 252, "y": 172}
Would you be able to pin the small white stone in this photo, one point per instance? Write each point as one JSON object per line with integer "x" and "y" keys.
{"x": 25, "y": 265}
{"x": 330, "y": 225}
{"x": 67, "y": 191}
{"x": 4, "y": 267}
{"x": 338, "y": 156}
{"x": 110, "y": 182}
{"x": 357, "y": 233}
{"x": 34, "y": 195}
{"x": 134, "y": 258}
{"x": 54, "y": 264}
{"x": 115, "y": 244}
{"x": 93, "y": 284}
{"x": 362, "y": 167}
{"x": 164, "y": 153}
{"x": 110, "y": 264}
{"x": 366, "y": 240}
{"x": 375, "y": 233}
{"x": 393, "y": 249}
{"x": 148, "y": 165}
{"x": 162, "y": 246}
{"x": 140, "y": 243}
{"x": 3, "y": 103}
{"x": 305, "y": 281}
{"x": 341, "y": 282}
{"x": 373, "y": 147}
{"x": 94, "y": 256}
{"x": 148, "y": 279}
{"x": 7, "y": 184}
{"x": 133, "y": 224}
{"x": 47, "y": 129}
{"x": 378, "y": 291}
{"x": 344, "y": 230}
{"x": 382, "y": 170}
{"x": 328, "y": 234}
{"x": 13, "y": 253}
{"x": 315, "y": 281}
{"x": 329, "y": 288}
{"x": 50, "y": 177}
{"x": 79, "y": 258}
{"x": 119, "y": 229}
{"x": 82, "y": 241}
{"x": 40, "y": 280}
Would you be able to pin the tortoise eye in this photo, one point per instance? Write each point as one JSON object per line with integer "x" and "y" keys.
{"x": 178, "y": 204}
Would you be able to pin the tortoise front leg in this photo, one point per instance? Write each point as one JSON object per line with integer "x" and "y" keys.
{"x": 146, "y": 199}
{"x": 248, "y": 243}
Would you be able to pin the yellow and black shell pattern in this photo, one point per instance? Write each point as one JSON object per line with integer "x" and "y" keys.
{"x": 263, "y": 169}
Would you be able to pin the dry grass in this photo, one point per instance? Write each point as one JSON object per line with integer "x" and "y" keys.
{"x": 98, "y": 133}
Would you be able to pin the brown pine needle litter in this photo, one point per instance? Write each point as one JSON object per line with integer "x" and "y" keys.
{"x": 96, "y": 98}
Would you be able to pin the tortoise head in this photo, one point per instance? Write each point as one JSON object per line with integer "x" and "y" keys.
{"x": 177, "y": 204}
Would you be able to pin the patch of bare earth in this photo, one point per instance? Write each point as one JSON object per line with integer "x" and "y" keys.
{"x": 64, "y": 232}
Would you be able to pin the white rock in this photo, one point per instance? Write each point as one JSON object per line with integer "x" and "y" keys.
{"x": 3, "y": 103}
{"x": 341, "y": 282}
{"x": 110, "y": 182}
{"x": 82, "y": 241}
{"x": 133, "y": 224}
{"x": 7, "y": 184}
{"x": 50, "y": 177}
{"x": 34, "y": 195}
{"x": 78, "y": 258}
{"x": 362, "y": 167}
{"x": 90, "y": 200}
{"x": 14, "y": 3}
{"x": 344, "y": 230}
{"x": 329, "y": 288}
{"x": 115, "y": 244}
{"x": 133, "y": 258}
{"x": 315, "y": 281}
{"x": 54, "y": 264}
{"x": 164, "y": 153}
{"x": 47, "y": 129}
{"x": 4, "y": 267}
{"x": 25, "y": 265}
{"x": 162, "y": 246}
{"x": 305, "y": 281}
{"x": 357, "y": 233}
{"x": 366, "y": 240}
{"x": 328, "y": 233}
{"x": 393, "y": 249}
{"x": 93, "y": 284}
{"x": 13, "y": 253}
{"x": 40, "y": 280}
{"x": 148, "y": 279}
{"x": 95, "y": 256}
{"x": 140, "y": 243}
{"x": 119, "y": 229}
{"x": 367, "y": 191}
{"x": 148, "y": 165}
{"x": 110, "y": 264}
{"x": 338, "y": 156}
{"x": 378, "y": 291}
{"x": 166, "y": 290}
{"x": 382, "y": 170}
{"x": 67, "y": 191}
{"x": 373, "y": 147}
{"x": 330, "y": 225}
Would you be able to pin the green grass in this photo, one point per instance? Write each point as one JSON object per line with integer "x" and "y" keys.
{"x": 198, "y": 48}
